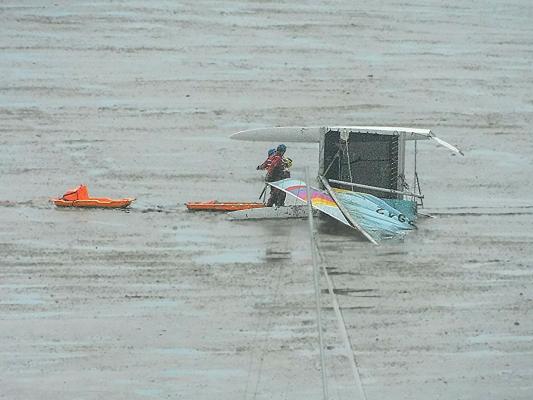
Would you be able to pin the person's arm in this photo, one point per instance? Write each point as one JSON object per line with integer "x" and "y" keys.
{"x": 263, "y": 166}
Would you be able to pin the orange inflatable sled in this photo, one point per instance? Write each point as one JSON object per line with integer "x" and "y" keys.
{"x": 79, "y": 197}
{"x": 223, "y": 206}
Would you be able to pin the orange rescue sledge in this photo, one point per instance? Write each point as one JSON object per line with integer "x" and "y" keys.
{"x": 79, "y": 197}
{"x": 221, "y": 206}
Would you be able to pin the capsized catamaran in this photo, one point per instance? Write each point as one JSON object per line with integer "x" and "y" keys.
{"x": 366, "y": 165}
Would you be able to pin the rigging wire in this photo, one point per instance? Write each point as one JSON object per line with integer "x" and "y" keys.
{"x": 316, "y": 277}
{"x": 415, "y": 174}
{"x": 331, "y": 163}
{"x": 349, "y": 162}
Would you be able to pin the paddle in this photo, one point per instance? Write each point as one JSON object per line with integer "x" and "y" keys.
{"x": 263, "y": 192}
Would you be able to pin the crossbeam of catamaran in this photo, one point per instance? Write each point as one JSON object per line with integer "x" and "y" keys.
{"x": 378, "y": 189}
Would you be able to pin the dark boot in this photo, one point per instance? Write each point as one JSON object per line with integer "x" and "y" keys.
{"x": 280, "y": 199}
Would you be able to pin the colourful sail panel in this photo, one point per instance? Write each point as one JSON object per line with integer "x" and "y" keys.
{"x": 372, "y": 214}
{"x": 319, "y": 199}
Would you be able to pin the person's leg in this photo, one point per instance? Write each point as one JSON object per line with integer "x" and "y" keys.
{"x": 281, "y": 198}
{"x": 272, "y": 199}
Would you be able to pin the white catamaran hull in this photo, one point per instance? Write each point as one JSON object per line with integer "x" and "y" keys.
{"x": 312, "y": 134}
{"x": 296, "y": 211}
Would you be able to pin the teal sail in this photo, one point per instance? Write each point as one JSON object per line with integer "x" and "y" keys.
{"x": 374, "y": 215}
{"x": 409, "y": 208}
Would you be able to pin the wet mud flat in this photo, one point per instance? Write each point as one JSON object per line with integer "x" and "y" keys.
{"x": 137, "y": 99}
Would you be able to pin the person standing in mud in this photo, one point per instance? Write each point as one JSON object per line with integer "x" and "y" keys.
{"x": 275, "y": 172}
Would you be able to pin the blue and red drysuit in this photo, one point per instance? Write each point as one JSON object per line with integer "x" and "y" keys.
{"x": 276, "y": 171}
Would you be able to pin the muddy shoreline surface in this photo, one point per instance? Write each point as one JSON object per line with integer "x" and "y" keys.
{"x": 139, "y": 98}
